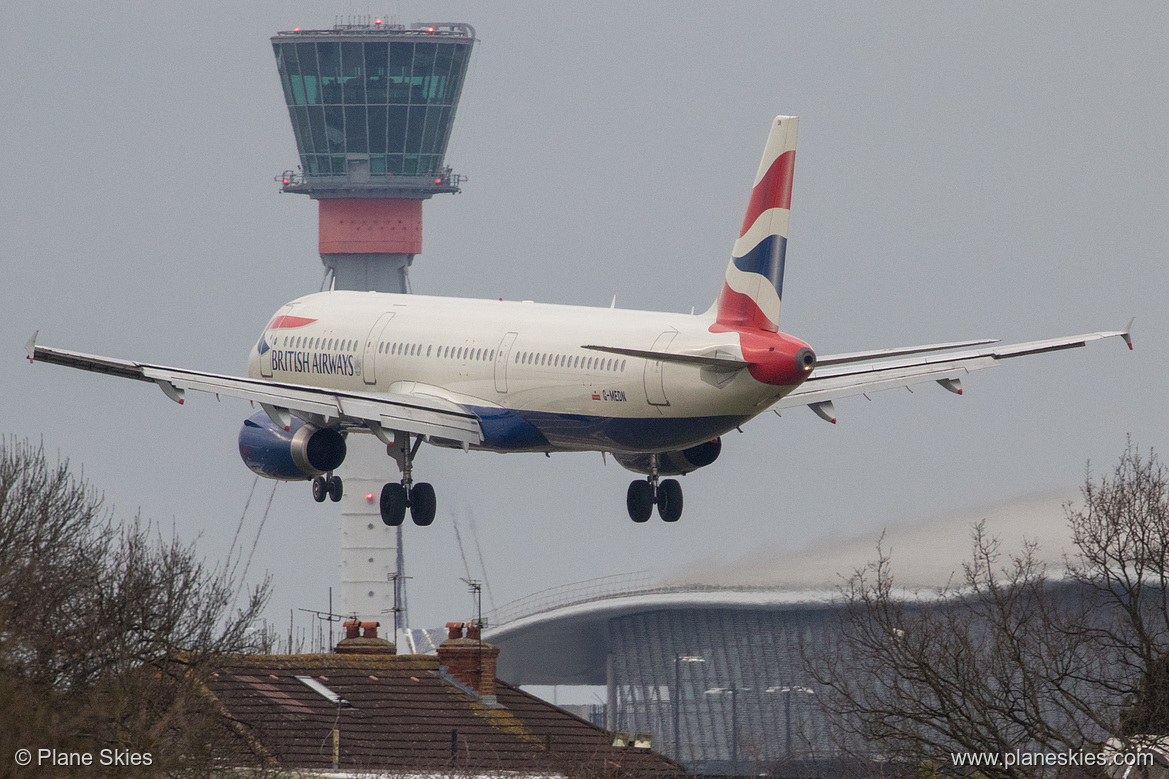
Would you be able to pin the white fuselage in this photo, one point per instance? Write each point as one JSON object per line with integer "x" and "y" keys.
{"x": 522, "y": 365}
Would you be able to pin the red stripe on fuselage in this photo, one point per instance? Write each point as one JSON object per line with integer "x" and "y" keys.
{"x": 281, "y": 322}
{"x": 774, "y": 190}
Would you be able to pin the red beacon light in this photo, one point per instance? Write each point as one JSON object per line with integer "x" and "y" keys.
{"x": 296, "y": 29}
{"x": 377, "y": 21}
{"x": 430, "y": 29}
{"x": 438, "y": 181}
{"x": 369, "y": 496}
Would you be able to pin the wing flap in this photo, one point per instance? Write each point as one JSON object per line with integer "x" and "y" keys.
{"x": 877, "y": 354}
{"x": 856, "y": 375}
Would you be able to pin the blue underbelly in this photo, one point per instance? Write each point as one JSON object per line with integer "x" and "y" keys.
{"x": 508, "y": 430}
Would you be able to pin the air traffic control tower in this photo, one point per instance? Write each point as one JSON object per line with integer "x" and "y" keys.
{"x": 372, "y": 105}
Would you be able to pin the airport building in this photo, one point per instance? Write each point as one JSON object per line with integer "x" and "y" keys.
{"x": 715, "y": 674}
{"x": 716, "y": 671}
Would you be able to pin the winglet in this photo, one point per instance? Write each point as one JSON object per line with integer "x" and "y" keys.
{"x": 1126, "y": 335}
{"x": 31, "y": 346}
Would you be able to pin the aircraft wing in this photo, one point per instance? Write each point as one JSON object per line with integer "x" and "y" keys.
{"x": 411, "y": 413}
{"x": 859, "y": 373}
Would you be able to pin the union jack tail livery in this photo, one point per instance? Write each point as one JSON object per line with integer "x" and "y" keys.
{"x": 753, "y": 284}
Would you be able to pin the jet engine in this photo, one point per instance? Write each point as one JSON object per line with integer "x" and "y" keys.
{"x": 300, "y": 453}
{"x": 674, "y": 463}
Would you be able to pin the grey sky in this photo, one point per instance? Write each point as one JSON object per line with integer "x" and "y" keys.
{"x": 985, "y": 170}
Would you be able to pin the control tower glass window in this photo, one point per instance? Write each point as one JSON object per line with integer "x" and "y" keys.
{"x": 385, "y": 106}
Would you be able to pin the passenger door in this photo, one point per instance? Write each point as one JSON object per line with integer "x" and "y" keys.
{"x": 655, "y": 389}
{"x": 369, "y": 357}
{"x": 501, "y": 360}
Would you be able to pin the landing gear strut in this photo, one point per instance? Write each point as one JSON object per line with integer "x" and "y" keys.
{"x": 641, "y": 497}
{"x": 328, "y": 486}
{"x": 398, "y": 496}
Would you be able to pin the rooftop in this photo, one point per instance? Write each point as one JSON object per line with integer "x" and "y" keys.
{"x": 405, "y": 713}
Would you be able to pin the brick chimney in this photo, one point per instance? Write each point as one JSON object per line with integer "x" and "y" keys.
{"x": 469, "y": 658}
{"x": 367, "y": 643}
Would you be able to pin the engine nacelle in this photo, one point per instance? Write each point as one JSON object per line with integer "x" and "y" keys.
{"x": 674, "y": 463}
{"x": 300, "y": 453}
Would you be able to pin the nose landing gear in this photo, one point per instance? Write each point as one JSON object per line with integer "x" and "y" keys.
{"x": 398, "y": 496}
{"x": 641, "y": 497}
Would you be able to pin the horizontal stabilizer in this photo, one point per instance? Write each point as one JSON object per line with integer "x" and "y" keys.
{"x": 725, "y": 363}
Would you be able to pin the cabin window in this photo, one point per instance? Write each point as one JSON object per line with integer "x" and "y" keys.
{"x": 427, "y": 351}
{"x": 623, "y": 365}
{"x": 492, "y": 356}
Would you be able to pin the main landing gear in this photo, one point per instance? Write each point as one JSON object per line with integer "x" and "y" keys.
{"x": 328, "y": 486}
{"x": 643, "y": 495}
{"x": 397, "y": 497}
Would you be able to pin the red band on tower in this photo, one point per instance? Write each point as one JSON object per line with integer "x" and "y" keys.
{"x": 370, "y": 226}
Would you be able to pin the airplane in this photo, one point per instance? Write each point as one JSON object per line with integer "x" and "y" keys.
{"x": 656, "y": 391}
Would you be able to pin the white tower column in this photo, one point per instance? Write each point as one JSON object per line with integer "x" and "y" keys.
{"x": 369, "y": 549}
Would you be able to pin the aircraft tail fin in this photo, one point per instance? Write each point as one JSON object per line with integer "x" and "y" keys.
{"x": 753, "y": 284}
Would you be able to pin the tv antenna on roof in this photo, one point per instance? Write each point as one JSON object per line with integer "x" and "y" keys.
{"x": 476, "y": 589}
